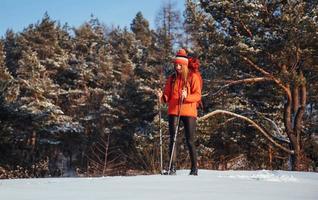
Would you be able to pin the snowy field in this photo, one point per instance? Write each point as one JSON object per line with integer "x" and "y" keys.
{"x": 209, "y": 185}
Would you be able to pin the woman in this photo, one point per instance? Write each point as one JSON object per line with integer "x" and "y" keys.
{"x": 182, "y": 92}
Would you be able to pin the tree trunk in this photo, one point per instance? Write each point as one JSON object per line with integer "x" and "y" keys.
{"x": 270, "y": 157}
{"x": 295, "y": 99}
{"x": 293, "y": 119}
{"x": 298, "y": 122}
{"x": 33, "y": 140}
{"x": 288, "y": 126}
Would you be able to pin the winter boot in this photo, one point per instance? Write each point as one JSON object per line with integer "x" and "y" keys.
{"x": 173, "y": 170}
{"x": 194, "y": 172}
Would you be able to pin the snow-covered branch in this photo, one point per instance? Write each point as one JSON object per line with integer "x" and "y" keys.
{"x": 243, "y": 81}
{"x": 264, "y": 132}
{"x": 279, "y": 136}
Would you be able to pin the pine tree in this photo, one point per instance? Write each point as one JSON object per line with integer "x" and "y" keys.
{"x": 4, "y": 72}
{"x": 271, "y": 42}
{"x": 140, "y": 27}
{"x": 8, "y": 92}
{"x": 168, "y": 22}
{"x": 12, "y": 51}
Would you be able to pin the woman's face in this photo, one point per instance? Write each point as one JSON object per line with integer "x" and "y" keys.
{"x": 178, "y": 67}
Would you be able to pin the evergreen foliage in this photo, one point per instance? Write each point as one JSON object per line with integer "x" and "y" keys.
{"x": 268, "y": 45}
{"x": 82, "y": 100}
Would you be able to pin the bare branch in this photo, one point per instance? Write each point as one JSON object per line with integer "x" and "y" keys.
{"x": 224, "y": 112}
{"x": 244, "y": 81}
{"x": 247, "y": 30}
{"x": 96, "y": 155}
{"x": 267, "y": 74}
{"x": 106, "y": 154}
{"x": 256, "y": 66}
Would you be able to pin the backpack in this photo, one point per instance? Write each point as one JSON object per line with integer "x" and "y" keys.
{"x": 194, "y": 65}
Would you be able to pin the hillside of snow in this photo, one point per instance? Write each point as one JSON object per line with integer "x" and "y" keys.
{"x": 216, "y": 185}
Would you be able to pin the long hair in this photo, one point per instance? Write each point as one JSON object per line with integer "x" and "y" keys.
{"x": 184, "y": 74}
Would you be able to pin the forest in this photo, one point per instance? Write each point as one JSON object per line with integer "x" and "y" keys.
{"x": 81, "y": 101}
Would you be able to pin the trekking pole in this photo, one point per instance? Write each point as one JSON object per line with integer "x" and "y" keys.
{"x": 160, "y": 135}
{"x": 160, "y": 129}
{"x": 175, "y": 136}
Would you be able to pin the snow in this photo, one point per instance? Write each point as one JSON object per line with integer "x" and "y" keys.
{"x": 220, "y": 185}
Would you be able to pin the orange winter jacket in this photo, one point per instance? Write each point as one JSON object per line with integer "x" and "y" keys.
{"x": 172, "y": 94}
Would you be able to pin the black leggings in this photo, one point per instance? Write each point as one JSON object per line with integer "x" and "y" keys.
{"x": 189, "y": 124}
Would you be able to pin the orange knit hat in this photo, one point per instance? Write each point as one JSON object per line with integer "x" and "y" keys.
{"x": 181, "y": 57}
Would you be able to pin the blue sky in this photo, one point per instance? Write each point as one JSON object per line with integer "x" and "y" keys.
{"x": 18, "y": 14}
